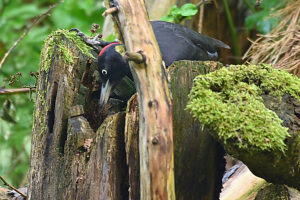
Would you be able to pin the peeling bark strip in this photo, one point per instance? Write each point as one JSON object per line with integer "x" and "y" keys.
{"x": 155, "y": 134}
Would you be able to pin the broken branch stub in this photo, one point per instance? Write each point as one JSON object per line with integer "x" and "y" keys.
{"x": 137, "y": 57}
{"x": 110, "y": 11}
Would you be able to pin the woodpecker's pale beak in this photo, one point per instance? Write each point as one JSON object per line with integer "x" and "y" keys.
{"x": 105, "y": 93}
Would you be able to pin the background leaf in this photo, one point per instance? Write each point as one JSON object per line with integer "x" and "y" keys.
{"x": 188, "y": 9}
{"x": 262, "y": 20}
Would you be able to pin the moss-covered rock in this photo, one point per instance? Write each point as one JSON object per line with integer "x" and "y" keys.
{"x": 229, "y": 102}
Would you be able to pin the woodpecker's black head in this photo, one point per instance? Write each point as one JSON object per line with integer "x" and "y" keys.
{"x": 112, "y": 68}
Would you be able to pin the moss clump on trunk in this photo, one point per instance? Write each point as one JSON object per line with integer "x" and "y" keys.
{"x": 67, "y": 56}
{"x": 229, "y": 101}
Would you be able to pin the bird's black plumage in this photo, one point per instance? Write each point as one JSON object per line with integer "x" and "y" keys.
{"x": 175, "y": 41}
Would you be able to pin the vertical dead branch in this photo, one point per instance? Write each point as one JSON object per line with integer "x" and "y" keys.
{"x": 155, "y": 133}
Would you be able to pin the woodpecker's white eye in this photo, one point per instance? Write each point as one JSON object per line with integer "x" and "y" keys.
{"x": 104, "y": 71}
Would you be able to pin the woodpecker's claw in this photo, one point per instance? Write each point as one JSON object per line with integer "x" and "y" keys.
{"x": 75, "y": 29}
{"x": 79, "y": 33}
{"x": 95, "y": 42}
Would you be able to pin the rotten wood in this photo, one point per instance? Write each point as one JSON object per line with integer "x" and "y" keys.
{"x": 132, "y": 147}
{"x": 199, "y": 163}
{"x": 155, "y": 126}
{"x": 108, "y": 167}
{"x": 71, "y": 157}
{"x": 276, "y": 166}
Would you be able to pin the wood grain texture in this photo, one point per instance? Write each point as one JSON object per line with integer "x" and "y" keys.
{"x": 198, "y": 158}
{"x": 71, "y": 156}
{"x": 155, "y": 133}
{"x": 132, "y": 147}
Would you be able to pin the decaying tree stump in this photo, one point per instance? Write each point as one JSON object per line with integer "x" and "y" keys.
{"x": 199, "y": 162}
{"x": 278, "y": 167}
{"x": 253, "y": 111}
{"x": 73, "y": 158}
{"x": 78, "y": 152}
{"x": 132, "y": 147}
{"x": 70, "y": 157}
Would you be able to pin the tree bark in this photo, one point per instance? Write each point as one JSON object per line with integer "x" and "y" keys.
{"x": 199, "y": 159}
{"x": 70, "y": 157}
{"x": 156, "y": 9}
{"x": 132, "y": 147}
{"x": 155, "y": 106}
{"x": 199, "y": 162}
{"x": 277, "y": 167}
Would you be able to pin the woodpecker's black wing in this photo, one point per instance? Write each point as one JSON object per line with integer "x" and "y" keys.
{"x": 177, "y": 42}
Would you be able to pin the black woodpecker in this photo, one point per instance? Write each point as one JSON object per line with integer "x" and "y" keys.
{"x": 175, "y": 41}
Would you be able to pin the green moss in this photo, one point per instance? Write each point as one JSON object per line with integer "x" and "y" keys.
{"x": 47, "y": 54}
{"x": 66, "y": 53}
{"x": 53, "y": 39}
{"x": 229, "y": 101}
{"x": 42, "y": 118}
{"x": 56, "y": 40}
{"x": 81, "y": 45}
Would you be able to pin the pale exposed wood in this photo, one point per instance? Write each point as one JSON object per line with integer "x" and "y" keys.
{"x": 155, "y": 133}
{"x": 251, "y": 184}
{"x": 4, "y": 194}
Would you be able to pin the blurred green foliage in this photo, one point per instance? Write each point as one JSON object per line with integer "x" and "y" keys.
{"x": 262, "y": 19}
{"x": 16, "y": 110}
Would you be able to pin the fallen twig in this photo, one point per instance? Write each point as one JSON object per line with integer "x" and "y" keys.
{"x": 36, "y": 21}
{"x": 13, "y": 188}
